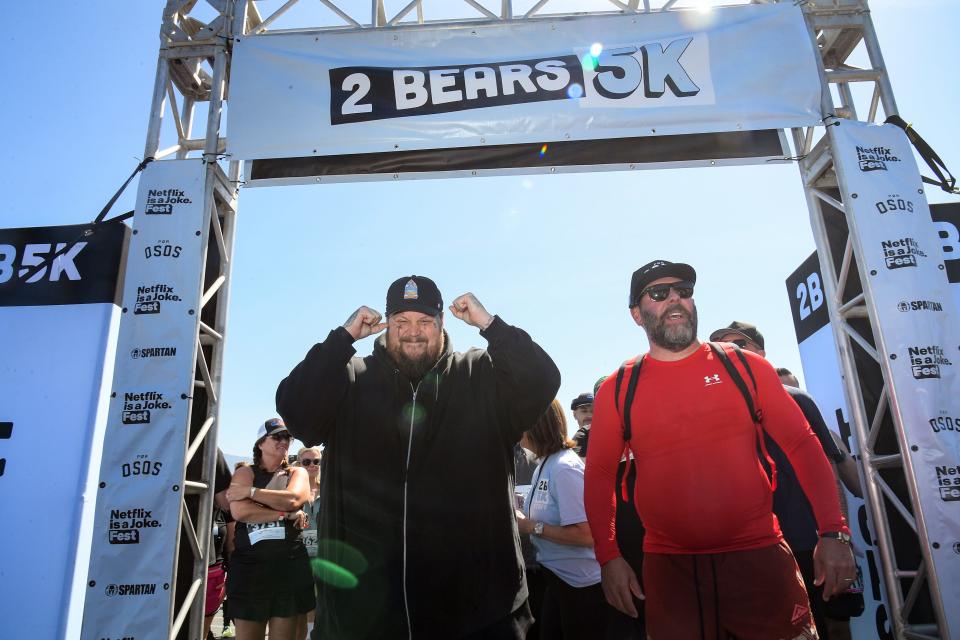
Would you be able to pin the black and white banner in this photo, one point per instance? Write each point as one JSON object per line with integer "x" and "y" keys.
{"x": 130, "y": 585}
{"x": 918, "y": 333}
{"x": 56, "y": 355}
{"x": 655, "y": 89}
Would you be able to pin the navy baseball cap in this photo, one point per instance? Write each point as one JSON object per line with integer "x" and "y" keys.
{"x": 414, "y": 293}
{"x": 581, "y": 400}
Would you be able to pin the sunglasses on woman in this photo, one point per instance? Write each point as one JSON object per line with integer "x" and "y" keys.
{"x": 306, "y": 462}
{"x": 659, "y": 292}
{"x": 281, "y": 436}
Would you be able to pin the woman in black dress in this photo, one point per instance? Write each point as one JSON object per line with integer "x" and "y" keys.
{"x": 269, "y": 580}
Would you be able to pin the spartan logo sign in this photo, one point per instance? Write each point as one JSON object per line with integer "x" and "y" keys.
{"x": 142, "y": 589}
{"x": 920, "y": 305}
{"x": 875, "y": 158}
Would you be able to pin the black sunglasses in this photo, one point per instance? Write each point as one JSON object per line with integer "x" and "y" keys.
{"x": 740, "y": 342}
{"x": 659, "y": 292}
{"x": 306, "y": 462}
{"x": 281, "y": 436}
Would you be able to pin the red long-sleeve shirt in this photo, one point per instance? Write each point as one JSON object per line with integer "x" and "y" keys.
{"x": 700, "y": 486}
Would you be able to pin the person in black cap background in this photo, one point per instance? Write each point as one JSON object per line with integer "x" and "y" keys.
{"x": 418, "y": 537}
{"x": 582, "y": 408}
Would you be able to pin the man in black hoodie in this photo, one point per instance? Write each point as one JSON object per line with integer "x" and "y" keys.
{"x": 417, "y": 537}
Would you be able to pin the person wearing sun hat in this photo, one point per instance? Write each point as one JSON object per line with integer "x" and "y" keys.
{"x": 418, "y": 487}
{"x": 269, "y": 580}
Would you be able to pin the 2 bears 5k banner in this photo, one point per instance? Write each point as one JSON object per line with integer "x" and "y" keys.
{"x": 918, "y": 332}
{"x": 728, "y": 73}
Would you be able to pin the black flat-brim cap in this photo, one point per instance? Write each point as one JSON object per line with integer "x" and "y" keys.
{"x": 656, "y": 270}
{"x": 414, "y": 293}
{"x": 745, "y": 329}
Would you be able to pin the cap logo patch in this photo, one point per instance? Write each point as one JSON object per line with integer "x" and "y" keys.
{"x": 410, "y": 290}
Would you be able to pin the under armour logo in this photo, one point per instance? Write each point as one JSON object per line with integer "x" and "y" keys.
{"x": 710, "y": 380}
{"x": 800, "y": 612}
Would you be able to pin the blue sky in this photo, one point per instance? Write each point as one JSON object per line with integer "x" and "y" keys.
{"x": 551, "y": 254}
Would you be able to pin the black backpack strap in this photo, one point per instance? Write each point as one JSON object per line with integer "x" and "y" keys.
{"x": 737, "y": 378}
{"x": 748, "y": 398}
{"x": 945, "y": 179}
{"x": 628, "y": 398}
{"x": 625, "y": 415}
{"x": 616, "y": 391}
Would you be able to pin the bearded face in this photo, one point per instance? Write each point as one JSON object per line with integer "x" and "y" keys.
{"x": 674, "y": 328}
{"x": 414, "y": 342}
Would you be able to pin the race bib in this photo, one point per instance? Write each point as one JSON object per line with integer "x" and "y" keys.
{"x": 266, "y": 531}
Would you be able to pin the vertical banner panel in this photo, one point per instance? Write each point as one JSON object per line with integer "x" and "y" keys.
{"x": 57, "y": 331}
{"x": 919, "y": 338}
{"x": 821, "y": 373}
{"x": 130, "y": 581}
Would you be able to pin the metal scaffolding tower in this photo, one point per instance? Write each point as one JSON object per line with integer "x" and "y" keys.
{"x": 194, "y": 67}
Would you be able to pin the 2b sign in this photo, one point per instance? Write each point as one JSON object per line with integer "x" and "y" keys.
{"x": 809, "y": 295}
{"x": 35, "y": 254}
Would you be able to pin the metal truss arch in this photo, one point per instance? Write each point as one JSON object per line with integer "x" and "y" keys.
{"x": 193, "y": 69}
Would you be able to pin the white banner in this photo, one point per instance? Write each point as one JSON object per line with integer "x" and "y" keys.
{"x": 918, "y": 336}
{"x": 821, "y": 373}
{"x": 135, "y": 530}
{"x": 59, "y": 328}
{"x": 733, "y": 69}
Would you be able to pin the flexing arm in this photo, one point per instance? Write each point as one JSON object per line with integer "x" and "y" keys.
{"x": 308, "y": 398}
{"x": 526, "y": 377}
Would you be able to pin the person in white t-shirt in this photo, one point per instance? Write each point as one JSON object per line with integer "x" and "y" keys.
{"x": 553, "y": 515}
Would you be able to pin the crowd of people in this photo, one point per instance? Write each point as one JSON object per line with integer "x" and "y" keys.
{"x": 698, "y": 498}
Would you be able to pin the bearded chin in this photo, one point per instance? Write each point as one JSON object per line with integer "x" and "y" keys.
{"x": 414, "y": 368}
{"x": 676, "y": 337}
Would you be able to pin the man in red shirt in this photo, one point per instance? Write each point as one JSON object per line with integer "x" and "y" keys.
{"x": 715, "y": 563}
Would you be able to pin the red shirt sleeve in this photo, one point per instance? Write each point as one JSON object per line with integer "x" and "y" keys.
{"x": 600, "y": 476}
{"x": 784, "y": 421}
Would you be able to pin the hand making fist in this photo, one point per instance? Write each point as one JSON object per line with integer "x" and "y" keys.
{"x": 364, "y": 322}
{"x": 469, "y": 309}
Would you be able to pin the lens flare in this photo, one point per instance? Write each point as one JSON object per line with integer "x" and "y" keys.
{"x": 588, "y": 62}
{"x": 543, "y": 151}
{"x": 333, "y": 574}
{"x": 595, "y": 49}
{"x": 575, "y": 91}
